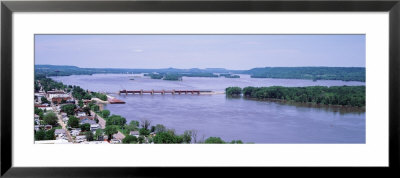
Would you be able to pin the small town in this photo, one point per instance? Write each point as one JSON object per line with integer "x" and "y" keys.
{"x": 68, "y": 116}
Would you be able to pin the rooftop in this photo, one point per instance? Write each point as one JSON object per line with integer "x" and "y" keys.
{"x": 59, "y": 131}
{"x": 88, "y": 121}
{"x": 134, "y": 133}
{"x": 86, "y": 117}
{"x": 55, "y": 92}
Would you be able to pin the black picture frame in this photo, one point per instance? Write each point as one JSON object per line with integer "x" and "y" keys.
{"x": 8, "y": 7}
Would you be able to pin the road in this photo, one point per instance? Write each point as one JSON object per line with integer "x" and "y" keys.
{"x": 102, "y": 124}
{"x": 63, "y": 124}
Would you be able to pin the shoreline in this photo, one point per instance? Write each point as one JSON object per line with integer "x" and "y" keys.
{"x": 312, "y": 105}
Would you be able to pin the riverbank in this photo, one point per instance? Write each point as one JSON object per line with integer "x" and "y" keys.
{"x": 97, "y": 100}
{"x": 332, "y": 108}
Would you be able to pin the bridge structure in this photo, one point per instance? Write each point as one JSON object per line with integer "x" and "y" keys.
{"x": 126, "y": 92}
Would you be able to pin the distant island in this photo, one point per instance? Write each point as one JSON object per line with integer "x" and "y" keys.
{"x": 309, "y": 73}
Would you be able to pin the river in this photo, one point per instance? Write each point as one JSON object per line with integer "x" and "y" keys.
{"x": 229, "y": 118}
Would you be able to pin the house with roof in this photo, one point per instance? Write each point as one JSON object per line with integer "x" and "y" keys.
{"x": 80, "y": 114}
{"x": 115, "y": 141}
{"x": 75, "y": 132}
{"x": 94, "y": 127}
{"x": 70, "y": 101}
{"x": 86, "y": 117}
{"x": 38, "y": 97}
{"x": 87, "y": 121}
{"x": 44, "y": 107}
{"x": 51, "y": 94}
{"x": 80, "y": 138}
{"x": 60, "y": 99}
{"x": 152, "y": 134}
{"x": 60, "y": 133}
{"x": 134, "y": 133}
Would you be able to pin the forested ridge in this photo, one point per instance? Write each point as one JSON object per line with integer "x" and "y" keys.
{"x": 312, "y": 73}
{"x": 309, "y": 73}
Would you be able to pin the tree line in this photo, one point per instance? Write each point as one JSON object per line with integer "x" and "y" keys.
{"x": 334, "y": 95}
{"x": 312, "y": 73}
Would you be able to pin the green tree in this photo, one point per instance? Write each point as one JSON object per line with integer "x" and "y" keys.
{"x": 40, "y": 135}
{"x": 105, "y": 113}
{"x": 134, "y": 123}
{"x": 149, "y": 139}
{"x": 102, "y": 96}
{"x": 50, "y": 135}
{"x": 110, "y": 130}
{"x": 86, "y": 110}
{"x": 69, "y": 109}
{"x": 95, "y": 108}
{"x": 130, "y": 139}
{"x": 80, "y": 103}
{"x": 236, "y": 142}
{"x": 85, "y": 127}
{"x": 141, "y": 139}
{"x": 233, "y": 91}
{"x": 116, "y": 120}
{"x": 132, "y": 126}
{"x": 144, "y": 132}
{"x": 39, "y": 112}
{"x": 160, "y": 128}
{"x": 80, "y": 93}
{"x": 44, "y": 100}
{"x": 187, "y": 136}
{"x": 50, "y": 118}
{"x": 214, "y": 140}
{"x": 89, "y": 136}
{"x": 73, "y": 122}
{"x": 37, "y": 87}
{"x": 145, "y": 124}
{"x": 98, "y": 134}
{"x": 96, "y": 119}
{"x": 167, "y": 137}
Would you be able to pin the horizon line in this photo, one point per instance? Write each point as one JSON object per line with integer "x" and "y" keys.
{"x": 198, "y": 68}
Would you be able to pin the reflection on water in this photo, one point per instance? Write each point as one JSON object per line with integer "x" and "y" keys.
{"x": 322, "y": 107}
{"x": 231, "y": 118}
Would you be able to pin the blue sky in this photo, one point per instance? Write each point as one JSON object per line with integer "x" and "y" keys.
{"x": 200, "y": 51}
